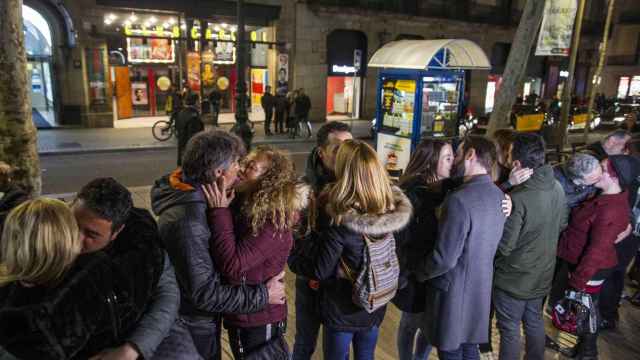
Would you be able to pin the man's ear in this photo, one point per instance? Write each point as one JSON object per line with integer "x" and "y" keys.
{"x": 470, "y": 155}
{"x": 115, "y": 234}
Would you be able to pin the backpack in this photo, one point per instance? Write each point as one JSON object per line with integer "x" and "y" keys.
{"x": 377, "y": 281}
{"x": 635, "y": 209}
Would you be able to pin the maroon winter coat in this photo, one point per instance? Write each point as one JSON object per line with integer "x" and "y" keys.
{"x": 242, "y": 257}
{"x": 589, "y": 240}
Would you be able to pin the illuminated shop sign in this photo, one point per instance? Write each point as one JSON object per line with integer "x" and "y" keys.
{"x": 155, "y": 51}
{"x": 343, "y": 69}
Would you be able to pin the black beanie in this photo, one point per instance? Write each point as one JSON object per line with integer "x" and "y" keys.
{"x": 627, "y": 168}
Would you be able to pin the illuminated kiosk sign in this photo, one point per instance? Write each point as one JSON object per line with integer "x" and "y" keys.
{"x": 343, "y": 69}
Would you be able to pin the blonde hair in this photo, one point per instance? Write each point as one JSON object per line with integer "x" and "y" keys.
{"x": 40, "y": 241}
{"x": 276, "y": 192}
{"x": 363, "y": 184}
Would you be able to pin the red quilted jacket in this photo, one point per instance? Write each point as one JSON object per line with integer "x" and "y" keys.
{"x": 589, "y": 240}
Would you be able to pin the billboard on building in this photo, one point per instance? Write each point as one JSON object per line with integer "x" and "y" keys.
{"x": 557, "y": 28}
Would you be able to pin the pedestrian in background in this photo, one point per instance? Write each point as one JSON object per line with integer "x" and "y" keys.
{"x": 268, "y": 103}
{"x": 188, "y": 123}
{"x": 215, "y": 99}
{"x": 281, "y": 105}
{"x": 302, "y": 109}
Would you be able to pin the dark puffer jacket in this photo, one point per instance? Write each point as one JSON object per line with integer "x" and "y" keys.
{"x": 96, "y": 305}
{"x": 250, "y": 258}
{"x": 346, "y": 242}
{"x": 184, "y": 231}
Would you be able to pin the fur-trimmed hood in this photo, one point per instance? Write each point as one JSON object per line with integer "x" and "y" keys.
{"x": 377, "y": 225}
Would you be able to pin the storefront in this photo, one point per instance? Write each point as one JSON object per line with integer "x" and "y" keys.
{"x": 419, "y": 93}
{"x": 346, "y": 50}
{"x": 628, "y": 86}
{"x": 152, "y": 54}
{"x": 39, "y": 44}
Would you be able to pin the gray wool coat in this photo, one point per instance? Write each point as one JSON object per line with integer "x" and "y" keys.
{"x": 459, "y": 271}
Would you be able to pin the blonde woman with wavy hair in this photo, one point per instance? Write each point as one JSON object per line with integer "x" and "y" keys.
{"x": 252, "y": 237}
{"x": 40, "y": 241}
{"x": 361, "y": 204}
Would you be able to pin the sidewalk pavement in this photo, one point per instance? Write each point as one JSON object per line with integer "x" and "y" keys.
{"x": 79, "y": 141}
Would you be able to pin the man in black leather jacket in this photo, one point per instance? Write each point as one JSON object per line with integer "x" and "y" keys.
{"x": 178, "y": 201}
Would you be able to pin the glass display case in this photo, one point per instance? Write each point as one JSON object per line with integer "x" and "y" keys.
{"x": 440, "y": 106}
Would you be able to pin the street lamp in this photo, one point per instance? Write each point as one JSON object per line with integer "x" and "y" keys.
{"x": 241, "y": 127}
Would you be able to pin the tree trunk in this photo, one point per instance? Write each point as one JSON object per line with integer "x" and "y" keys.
{"x": 516, "y": 64}
{"x": 17, "y": 132}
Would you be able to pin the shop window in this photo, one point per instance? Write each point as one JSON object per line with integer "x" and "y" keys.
{"x": 37, "y": 33}
{"x": 623, "y": 87}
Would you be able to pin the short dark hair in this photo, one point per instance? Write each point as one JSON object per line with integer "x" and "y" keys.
{"x": 108, "y": 199}
{"x": 485, "y": 149}
{"x": 618, "y": 134}
{"x": 529, "y": 149}
{"x": 208, "y": 151}
{"x": 330, "y": 128}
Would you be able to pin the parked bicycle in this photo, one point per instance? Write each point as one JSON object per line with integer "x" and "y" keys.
{"x": 163, "y": 130}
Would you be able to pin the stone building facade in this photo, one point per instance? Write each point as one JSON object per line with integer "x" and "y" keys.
{"x": 82, "y": 79}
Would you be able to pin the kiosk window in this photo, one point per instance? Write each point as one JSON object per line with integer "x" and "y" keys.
{"x": 398, "y": 101}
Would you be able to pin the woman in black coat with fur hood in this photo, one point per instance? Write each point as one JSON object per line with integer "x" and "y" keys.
{"x": 361, "y": 204}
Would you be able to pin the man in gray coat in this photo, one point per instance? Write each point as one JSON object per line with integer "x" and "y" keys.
{"x": 460, "y": 268}
{"x": 526, "y": 255}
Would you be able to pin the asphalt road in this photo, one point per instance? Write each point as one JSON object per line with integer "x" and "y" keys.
{"x": 63, "y": 174}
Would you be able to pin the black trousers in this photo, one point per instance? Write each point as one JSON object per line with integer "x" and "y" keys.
{"x": 612, "y": 289}
{"x": 245, "y": 340}
{"x": 279, "y": 125}
{"x": 268, "y": 115}
{"x": 587, "y": 345}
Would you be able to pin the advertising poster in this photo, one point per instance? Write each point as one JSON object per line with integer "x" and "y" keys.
{"x": 225, "y": 53}
{"x": 394, "y": 152}
{"x": 557, "y": 28}
{"x": 398, "y": 100}
{"x": 94, "y": 58}
{"x": 193, "y": 71}
{"x": 282, "y": 86}
{"x": 139, "y": 95}
{"x": 161, "y": 49}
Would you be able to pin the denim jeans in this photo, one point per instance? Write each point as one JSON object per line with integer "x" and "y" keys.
{"x": 307, "y": 320}
{"x": 464, "y": 352}
{"x": 412, "y": 345}
{"x": 336, "y": 343}
{"x": 510, "y": 313}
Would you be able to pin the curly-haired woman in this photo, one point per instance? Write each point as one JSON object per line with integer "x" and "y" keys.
{"x": 252, "y": 237}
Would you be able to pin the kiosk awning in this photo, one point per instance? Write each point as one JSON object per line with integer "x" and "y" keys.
{"x": 431, "y": 54}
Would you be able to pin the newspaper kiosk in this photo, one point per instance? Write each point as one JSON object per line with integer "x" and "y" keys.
{"x": 419, "y": 93}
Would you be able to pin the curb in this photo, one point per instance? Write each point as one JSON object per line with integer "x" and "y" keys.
{"x": 155, "y": 147}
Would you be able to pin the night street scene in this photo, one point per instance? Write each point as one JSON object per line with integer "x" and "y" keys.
{"x": 319, "y": 179}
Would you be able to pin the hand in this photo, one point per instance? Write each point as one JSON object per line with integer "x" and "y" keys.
{"x": 217, "y": 194}
{"x": 623, "y": 235}
{"x": 124, "y": 352}
{"x": 519, "y": 175}
{"x": 507, "y": 205}
{"x": 275, "y": 288}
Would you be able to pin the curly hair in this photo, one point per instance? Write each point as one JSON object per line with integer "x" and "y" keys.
{"x": 275, "y": 194}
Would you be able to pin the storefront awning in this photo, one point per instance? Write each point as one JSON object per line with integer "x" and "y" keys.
{"x": 431, "y": 54}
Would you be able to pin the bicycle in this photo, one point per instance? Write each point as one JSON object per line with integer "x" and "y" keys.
{"x": 163, "y": 130}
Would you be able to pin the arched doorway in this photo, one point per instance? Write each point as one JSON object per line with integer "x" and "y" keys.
{"x": 39, "y": 44}
{"x": 347, "y": 62}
